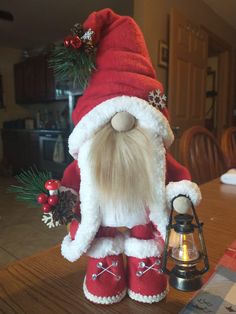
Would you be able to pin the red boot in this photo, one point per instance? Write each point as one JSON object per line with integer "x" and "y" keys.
{"x": 146, "y": 282}
{"x": 105, "y": 281}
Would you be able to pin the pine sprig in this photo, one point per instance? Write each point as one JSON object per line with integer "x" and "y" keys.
{"x": 72, "y": 65}
{"x": 31, "y": 184}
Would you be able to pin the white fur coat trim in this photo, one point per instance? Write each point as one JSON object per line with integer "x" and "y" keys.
{"x": 103, "y": 247}
{"x": 147, "y": 117}
{"x": 158, "y": 210}
{"x": 143, "y": 248}
{"x": 184, "y": 187}
{"x": 90, "y": 213}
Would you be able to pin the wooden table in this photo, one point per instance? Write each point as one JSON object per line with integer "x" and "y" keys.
{"x": 47, "y": 283}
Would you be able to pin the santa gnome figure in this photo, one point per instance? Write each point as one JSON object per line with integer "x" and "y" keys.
{"x": 122, "y": 172}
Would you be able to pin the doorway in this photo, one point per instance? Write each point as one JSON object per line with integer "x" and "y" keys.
{"x": 198, "y": 78}
{"x": 217, "y": 102}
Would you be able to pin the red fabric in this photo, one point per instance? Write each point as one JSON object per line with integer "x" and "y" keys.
{"x": 71, "y": 176}
{"x": 123, "y": 65}
{"x": 150, "y": 283}
{"x": 175, "y": 171}
{"x": 107, "y": 232}
{"x": 74, "y": 225}
{"x": 143, "y": 232}
{"x": 106, "y": 284}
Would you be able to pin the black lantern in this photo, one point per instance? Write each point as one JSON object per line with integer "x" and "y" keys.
{"x": 184, "y": 254}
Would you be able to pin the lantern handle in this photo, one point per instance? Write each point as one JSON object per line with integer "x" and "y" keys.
{"x": 202, "y": 242}
{"x": 165, "y": 254}
{"x": 201, "y": 238}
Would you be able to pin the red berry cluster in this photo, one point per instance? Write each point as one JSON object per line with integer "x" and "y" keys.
{"x": 72, "y": 41}
{"x": 50, "y": 200}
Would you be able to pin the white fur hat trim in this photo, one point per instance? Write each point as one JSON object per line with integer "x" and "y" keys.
{"x": 147, "y": 117}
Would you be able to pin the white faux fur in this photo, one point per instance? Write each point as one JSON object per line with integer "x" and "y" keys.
{"x": 158, "y": 210}
{"x": 147, "y": 117}
{"x": 184, "y": 187}
{"x": 91, "y": 213}
{"x": 103, "y": 247}
{"x": 103, "y": 300}
{"x": 123, "y": 217}
{"x": 147, "y": 298}
{"x": 143, "y": 248}
{"x": 91, "y": 217}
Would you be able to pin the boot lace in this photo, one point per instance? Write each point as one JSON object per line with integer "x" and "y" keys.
{"x": 106, "y": 269}
{"x": 145, "y": 268}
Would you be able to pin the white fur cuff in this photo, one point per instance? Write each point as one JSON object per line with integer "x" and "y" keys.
{"x": 184, "y": 187}
{"x": 103, "y": 247}
{"x": 70, "y": 250}
{"x": 143, "y": 248}
{"x": 73, "y": 249}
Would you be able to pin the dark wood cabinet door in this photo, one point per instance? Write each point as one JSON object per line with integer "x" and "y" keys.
{"x": 19, "y": 82}
{"x": 50, "y": 83}
{"x": 34, "y": 81}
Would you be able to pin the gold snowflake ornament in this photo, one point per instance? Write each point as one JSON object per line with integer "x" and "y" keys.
{"x": 157, "y": 99}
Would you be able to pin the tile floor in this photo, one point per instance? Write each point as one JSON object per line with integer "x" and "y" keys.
{"x": 21, "y": 231}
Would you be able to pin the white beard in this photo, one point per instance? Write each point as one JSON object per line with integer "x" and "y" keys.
{"x": 100, "y": 212}
{"x": 122, "y": 168}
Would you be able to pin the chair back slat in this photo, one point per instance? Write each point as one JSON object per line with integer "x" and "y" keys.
{"x": 228, "y": 145}
{"x": 201, "y": 154}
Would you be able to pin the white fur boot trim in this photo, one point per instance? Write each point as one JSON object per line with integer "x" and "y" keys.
{"x": 105, "y": 246}
{"x": 147, "y": 298}
{"x": 103, "y": 300}
{"x": 143, "y": 248}
{"x": 184, "y": 187}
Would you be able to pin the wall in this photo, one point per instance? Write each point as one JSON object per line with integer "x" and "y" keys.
{"x": 8, "y": 57}
{"x": 153, "y": 16}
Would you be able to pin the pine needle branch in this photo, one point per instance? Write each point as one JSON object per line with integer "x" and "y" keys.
{"x": 72, "y": 65}
{"x": 31, "y": 184}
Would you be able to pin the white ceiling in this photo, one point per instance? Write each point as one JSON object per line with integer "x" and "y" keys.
{"x": 226, "y": 9}
{"x": 41, "y": 22}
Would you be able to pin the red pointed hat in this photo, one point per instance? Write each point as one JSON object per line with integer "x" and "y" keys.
{"x": 124, "y": 80}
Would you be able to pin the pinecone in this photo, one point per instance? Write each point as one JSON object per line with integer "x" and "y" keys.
{"x": 63, "y": 211}
{"x": 89, "y": 47}
{"x": 77, "y": 29}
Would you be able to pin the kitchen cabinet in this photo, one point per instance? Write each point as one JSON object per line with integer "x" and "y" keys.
{"x": 34, "y": 81}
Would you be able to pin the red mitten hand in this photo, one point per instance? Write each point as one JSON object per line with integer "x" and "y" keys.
{"x": 74, "y": 225}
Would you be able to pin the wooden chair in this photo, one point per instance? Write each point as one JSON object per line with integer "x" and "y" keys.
{"x": 201, "y": 154}
{"x": 228, "y": 146}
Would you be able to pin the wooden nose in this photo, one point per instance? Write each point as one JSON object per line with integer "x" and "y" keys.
{"x": 123, "y": 121}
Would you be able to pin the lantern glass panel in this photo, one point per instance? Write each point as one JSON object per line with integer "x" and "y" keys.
{"x": 185, "y": 250}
